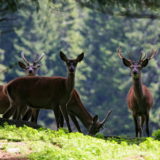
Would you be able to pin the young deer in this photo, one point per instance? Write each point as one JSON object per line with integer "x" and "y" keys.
{"x": 31, "y": 70}
{"x": 139, "y": 97}
{"x": 43, "y": 92}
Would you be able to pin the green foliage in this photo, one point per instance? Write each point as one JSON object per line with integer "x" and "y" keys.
{"x": 47, "y": 144}
{"x": 156, "y": 134}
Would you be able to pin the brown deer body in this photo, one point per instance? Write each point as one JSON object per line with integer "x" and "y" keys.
{"x": 44, "y": 92}
{"x": 31, "y": 70}
{"x": 139, "y": 97}
{"x": 4, "y": 102}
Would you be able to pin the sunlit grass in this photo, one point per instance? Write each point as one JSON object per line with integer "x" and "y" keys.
{"x": 46, "y": 144}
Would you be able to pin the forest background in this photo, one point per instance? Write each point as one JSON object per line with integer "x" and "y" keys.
{"x": 74, "y": 27}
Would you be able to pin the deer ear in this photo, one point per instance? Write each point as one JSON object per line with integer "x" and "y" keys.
{"x": 80, "y": 57}
{"x": 144, "y": 63}
{"x": 95, "y": 118}
{"x": 63, "y": 56}
{"x": 126, "y": 62}
{"x": 22, "y": 65}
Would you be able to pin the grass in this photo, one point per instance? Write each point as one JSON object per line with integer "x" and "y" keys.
{"x": 46, "y": 144}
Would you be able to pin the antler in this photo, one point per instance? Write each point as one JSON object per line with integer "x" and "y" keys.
{"x": 23, "y": 57}
{"x": 106, "y": 118}
{"x": 153, "y": 52}
{"x": 39, "y": 59}
{"x": 119, "y": 52}
{"x": 142, "y": 58}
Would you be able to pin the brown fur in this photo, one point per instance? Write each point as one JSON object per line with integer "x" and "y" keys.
{"x": 4, "y": 102}
{"x": 31, "y": 70}
{"x": 139, "y": 98}
{"x": 147, "y": 101}
{"x": 38, "y": 92}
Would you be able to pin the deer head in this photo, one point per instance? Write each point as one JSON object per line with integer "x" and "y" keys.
{"x": 96, "y": 126}
{"x": 30, "y": 68}
{"x": 136, "y": 66}
{"x": 71, "y": 63}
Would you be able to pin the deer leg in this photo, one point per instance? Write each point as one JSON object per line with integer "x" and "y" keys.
{"x": 27, "y": 115}
{"x": 57, "y": 113}
{"x": 9, "y": 112}
{"x": 136, "y": 124}
{"x": 61, "y": 119}
{"x": 34, "y": 116}
{"x": 15, "y": 114}
{"x": 142, "y": 122}
{"x": 147, "y": 125}
{"x": 75, "y": 122}
{"x": 140, "y": 126}
{"x": 21, "y": 109}
{"x": 31, "y": 113}
{"x": 65, "y": 114}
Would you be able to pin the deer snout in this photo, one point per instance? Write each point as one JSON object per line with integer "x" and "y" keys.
{"x": 71, "y": 68}
{"x": 30, "y": 71}
{"x": 135, "y": 71}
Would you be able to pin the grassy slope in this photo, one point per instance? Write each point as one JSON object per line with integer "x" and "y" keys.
{"x": 45, "y": 144}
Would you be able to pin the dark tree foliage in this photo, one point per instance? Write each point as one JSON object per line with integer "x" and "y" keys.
{"x": 85, "y": 26}
{"x": 127, "y": 8}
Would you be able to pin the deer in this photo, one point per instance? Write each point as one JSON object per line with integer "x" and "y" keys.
{"x": 31, "y": 69}
{"x": 76, "y": 108}
{"x": 43, "y": 92}
{"x": 139, "y": 98}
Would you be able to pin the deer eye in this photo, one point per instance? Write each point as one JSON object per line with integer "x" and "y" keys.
{"x": 68, "y": 63}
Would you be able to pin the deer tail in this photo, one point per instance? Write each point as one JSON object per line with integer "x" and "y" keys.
{"x": 6, "y": 92}
{"x": 5, "y": 89}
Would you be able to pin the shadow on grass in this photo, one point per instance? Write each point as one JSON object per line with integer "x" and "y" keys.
{"x": 120, "y": 139}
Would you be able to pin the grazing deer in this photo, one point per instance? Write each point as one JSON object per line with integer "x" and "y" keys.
{"x": 43, "y": 92}
{"x": 139, "y": 97}
{"x": 31, "y": 70}
{"x": 76, "y": 109}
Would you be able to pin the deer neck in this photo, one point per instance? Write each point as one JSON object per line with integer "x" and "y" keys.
{"x": 70, "y": 82}
{"x": 30, "y": 75}
{"x": 80, "y": 111}
{"x": 137, "y": 86}
{"x": 85, "y": 118}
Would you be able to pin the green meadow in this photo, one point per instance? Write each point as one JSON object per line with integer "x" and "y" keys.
{"x": 47, "y": 144}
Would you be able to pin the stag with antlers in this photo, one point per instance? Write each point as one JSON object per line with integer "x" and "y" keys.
{"x": 43, "y": 92}
{"x": 77, "y": 109}
{"x": 139, "y": 97}
{"x": 31, "y": 69}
